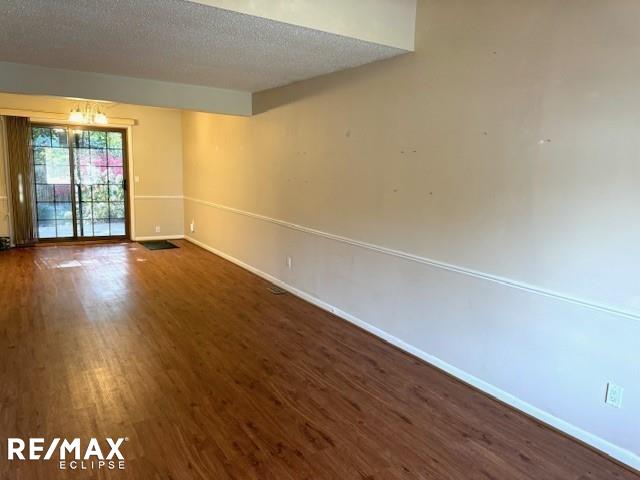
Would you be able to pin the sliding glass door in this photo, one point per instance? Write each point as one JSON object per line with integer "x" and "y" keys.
{"x": 80, "y": 179}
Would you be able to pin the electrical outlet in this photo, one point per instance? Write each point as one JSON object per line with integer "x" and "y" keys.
{"x": 192, "y": 227}
{"x": 136, "y": 179}
{"x": 289, "y": 263}
{"x": 157, "y": 228}
{"x": 614, "y": 395}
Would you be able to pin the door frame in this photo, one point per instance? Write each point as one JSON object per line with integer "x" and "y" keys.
{"x": 128, "y": 220}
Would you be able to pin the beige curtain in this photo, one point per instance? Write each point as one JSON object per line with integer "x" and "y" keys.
{"x": 21, "y": 182}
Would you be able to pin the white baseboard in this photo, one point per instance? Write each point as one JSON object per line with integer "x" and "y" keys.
{"x": 607, "y": 448}
{"x": 158, "y": 237}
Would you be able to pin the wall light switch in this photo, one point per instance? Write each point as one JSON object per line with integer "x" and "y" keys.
{"x": 136, "y": 179}
{"x": 614, "y": 395}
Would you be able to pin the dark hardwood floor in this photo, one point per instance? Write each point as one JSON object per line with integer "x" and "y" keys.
{"x": 211, "y": 376}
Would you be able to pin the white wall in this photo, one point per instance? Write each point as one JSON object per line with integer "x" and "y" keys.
{"x": 504, "y": 147}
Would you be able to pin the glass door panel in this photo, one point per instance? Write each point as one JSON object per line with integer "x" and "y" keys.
{"x": 53, "y": 182}
{"x": 100, "y": 183}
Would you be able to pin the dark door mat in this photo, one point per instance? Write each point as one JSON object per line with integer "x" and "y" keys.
{"x": 158, "y": 245}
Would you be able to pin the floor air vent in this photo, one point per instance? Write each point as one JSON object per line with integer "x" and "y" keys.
{"x": 276, "y": 290}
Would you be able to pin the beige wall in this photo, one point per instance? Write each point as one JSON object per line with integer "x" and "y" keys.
{"x": 157, "y": 159}
{"x": 506, "y": 148}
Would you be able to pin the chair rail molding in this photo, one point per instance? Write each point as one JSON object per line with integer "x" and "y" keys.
{"x": 560, "y": 296}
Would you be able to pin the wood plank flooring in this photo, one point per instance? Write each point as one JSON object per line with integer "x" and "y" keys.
{"x": 211, "y": 376}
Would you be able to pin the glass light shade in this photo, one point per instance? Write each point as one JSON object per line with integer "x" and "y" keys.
{"x": 77, "y": 116}
{"x": 100, "y": 119}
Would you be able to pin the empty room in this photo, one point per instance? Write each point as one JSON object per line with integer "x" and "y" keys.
{"x": 291, "y": 239}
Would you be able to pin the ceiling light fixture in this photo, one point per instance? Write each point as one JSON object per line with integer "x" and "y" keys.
{"x": 90, "y": 114}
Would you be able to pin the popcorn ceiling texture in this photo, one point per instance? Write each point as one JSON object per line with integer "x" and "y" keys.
{"x": 175, "y": 41}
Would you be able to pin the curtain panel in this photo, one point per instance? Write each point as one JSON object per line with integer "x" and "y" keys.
{"x": 21, "y": 181}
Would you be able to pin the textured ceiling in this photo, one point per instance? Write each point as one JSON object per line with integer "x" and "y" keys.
{"x": 173, "y": 40}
